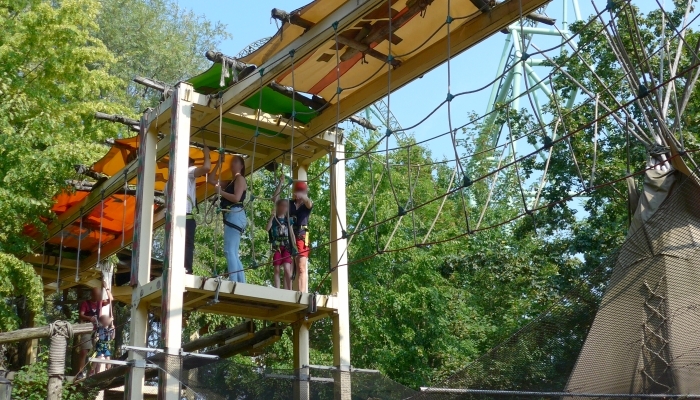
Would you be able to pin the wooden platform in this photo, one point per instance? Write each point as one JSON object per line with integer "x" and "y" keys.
{"x": 237, "y": 299}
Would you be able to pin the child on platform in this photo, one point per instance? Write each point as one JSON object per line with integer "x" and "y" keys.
{"x": 280, "y": 237}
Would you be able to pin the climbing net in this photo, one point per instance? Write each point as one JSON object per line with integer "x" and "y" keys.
{"x": 636, "y": 105}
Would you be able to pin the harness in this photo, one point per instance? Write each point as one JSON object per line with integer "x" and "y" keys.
{"x": 305, "y": 235}
{"x": 229, "y": 209}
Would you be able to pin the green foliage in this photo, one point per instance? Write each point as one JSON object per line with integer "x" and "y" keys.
{"x": 53, "y": 74}
{"x": 17, "y": 278}
{"x": 155, "y": 39}
{"x": 32, "y": 381}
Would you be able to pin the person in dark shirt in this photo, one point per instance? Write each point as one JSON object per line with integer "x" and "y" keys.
{"x": 300, "y": 206}
{"x": 90, "y": 312}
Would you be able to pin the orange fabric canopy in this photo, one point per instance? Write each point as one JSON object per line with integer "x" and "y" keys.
{"x": 117, "y": 212}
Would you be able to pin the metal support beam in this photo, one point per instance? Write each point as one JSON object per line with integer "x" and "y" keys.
{"x": 141, "y": 253}
{"x": 173, "y": 269}
{"x": 339, "y": 282}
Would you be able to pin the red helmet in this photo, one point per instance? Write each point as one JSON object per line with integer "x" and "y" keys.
{"x": 300, "y": 186}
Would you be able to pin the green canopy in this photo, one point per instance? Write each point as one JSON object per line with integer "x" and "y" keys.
{"x": 273, "y": 102}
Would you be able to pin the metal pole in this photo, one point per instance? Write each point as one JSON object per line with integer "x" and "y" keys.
{"x": 497, "y": 90}
{"x": 173, "y": 268}
{"x": 339, "y": 276}
{"x": 517, "y": 70}
{"x": 141, "y": 253}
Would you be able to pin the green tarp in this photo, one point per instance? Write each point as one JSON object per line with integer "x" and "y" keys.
{"x": 273, "y": 102}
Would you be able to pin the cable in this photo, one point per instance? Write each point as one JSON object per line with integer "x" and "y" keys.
{"x": 80, "y": 240}
{"x": 60, "y": 262}
{"x": 126, "y": 187}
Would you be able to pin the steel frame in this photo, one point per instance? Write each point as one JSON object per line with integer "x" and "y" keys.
{"x": 512, "y": 69}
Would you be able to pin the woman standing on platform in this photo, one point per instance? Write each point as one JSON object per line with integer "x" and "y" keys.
{"x": 233, "y": 195}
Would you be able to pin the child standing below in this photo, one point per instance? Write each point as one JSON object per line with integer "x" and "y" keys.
{"x": 279, "y": 233}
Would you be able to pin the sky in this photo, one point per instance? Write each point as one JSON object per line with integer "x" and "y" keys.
{"x": 473, "y": 69}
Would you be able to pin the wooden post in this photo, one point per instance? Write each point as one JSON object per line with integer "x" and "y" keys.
{"x": 174, "y": 263}
{"x": 339, "y": 276}
{"x": 59, "y": 332}
{"x": 5, "y": 387}
{"x": 301, "y": 360}
{"x": 141, "y": 254}
{"x": 299, "y": 174}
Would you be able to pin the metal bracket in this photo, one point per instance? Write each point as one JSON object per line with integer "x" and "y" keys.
{"x": 144, "y": 349}
{"x": 312, "y": 303}
{"x": 215, "y": 300}
{"x": 199, "y": 355}
{"x": 233, "y": 289}
{"x": 131, "y": 363}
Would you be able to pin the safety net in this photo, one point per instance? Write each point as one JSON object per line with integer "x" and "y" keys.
{"x": 638, "y": 336}
{"x": 228, "y": 380}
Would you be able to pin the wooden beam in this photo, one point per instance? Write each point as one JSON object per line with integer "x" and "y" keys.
{"x": 343, "y": 17}
{"x": 38, "y": 333}
{"x": 461, "y": 38}
{"x": 381, "y": 31}
{"x": 232, "y": 349}
{"x": 219, "y": 338}
{"x": 293, "y": 18}
{"x": 363, "y": 48}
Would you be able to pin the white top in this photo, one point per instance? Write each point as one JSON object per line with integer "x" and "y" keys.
{"x": 191, "y": 189}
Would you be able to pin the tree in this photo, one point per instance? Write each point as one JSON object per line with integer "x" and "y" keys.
{"x": 155, "y": 39}
{"x": 53, "y": 73}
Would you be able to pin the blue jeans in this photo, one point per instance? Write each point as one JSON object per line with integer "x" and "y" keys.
{"x": 232, "y": 242}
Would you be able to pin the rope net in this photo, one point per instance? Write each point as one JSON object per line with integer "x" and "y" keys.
{"x": 636, "y": 336}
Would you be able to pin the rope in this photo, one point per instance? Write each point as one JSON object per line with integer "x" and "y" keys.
{"x": 388, "y": 133}
{"x": 252, "y": 168}
{"x": 442, "y": 204}
{"x": 491, "y": 173}
{"x": 102, "y": 210}
{"x": 333, "y": 160}
{"x": 80, "y": 241}
{"x": 595, "y": 143}
{"x": 126, "y": 187}
{"x": 60, "y": 261}
{"x": 43, "y": 260}
{"x": 59, "y": 332}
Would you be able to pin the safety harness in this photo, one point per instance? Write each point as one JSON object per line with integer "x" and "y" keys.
{"x": 230, "y": 209}
{"x": 305, "y": 228}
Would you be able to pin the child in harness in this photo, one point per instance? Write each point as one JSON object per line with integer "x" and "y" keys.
{"x": 105, "y": 338}
{"x": 279, "y": 232}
